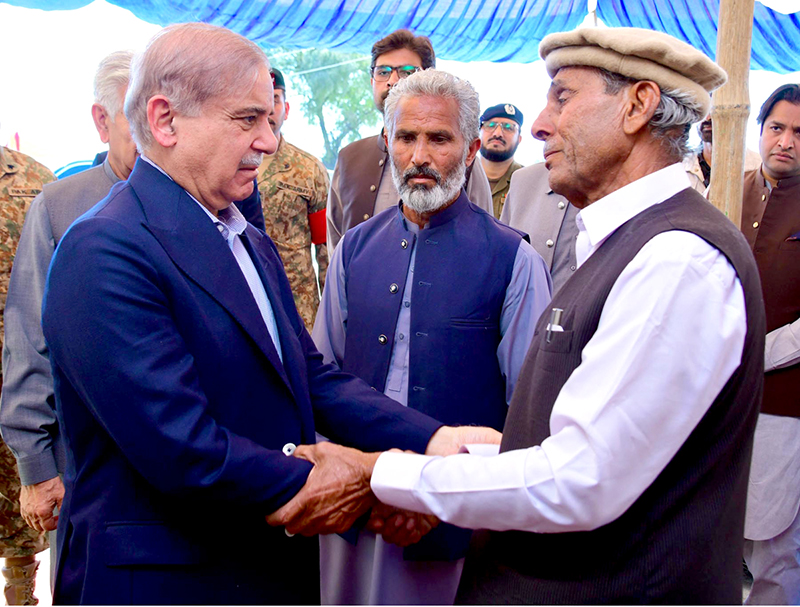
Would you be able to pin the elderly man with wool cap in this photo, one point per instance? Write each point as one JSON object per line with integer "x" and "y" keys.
{"x": 622, "y": 473}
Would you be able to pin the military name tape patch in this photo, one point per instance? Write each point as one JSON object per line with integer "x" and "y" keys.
{"x": 295, "y": 188}
{"x": 27, "y": 192}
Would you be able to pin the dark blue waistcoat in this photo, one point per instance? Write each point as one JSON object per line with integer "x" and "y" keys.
{"x": 463, "y": 266}
{"x": 464, "y": 263}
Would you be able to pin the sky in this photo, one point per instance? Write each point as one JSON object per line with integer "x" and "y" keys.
{"x": 46, "y": 93}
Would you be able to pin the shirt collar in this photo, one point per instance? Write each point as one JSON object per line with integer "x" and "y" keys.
{"x": 444, "y": 216}
{"x": 600, "y": 219}
{"x": 230, "y": 222}
{"x": 782, "y": 184}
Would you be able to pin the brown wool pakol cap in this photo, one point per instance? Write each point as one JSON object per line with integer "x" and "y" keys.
{"x": 636, "y": 53}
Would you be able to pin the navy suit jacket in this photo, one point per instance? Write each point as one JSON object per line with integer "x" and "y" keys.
{"x": 175, "y": 408}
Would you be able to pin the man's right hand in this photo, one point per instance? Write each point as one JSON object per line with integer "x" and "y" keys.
{"x": 335, "y": 495}
{"x": 38, "y": 502}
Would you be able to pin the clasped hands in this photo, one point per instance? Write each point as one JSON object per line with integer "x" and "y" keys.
{"x": 337, "y": 492}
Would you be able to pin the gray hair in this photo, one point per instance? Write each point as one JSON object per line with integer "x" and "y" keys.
{"x": 113, "y": 74}
{"x": 435, "y": 83}
{"x": 676, "y": 112}
{"x": 190, "y": 64}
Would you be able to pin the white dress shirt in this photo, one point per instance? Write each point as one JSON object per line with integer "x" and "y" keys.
{"x": 670, "y": 336}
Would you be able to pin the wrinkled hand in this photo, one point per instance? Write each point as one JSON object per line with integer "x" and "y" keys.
{"x": 335, "y": 495}
{"x": 37, "y": 503}
{"x": 447, "y": 440}
{"x": 400, "y": 527}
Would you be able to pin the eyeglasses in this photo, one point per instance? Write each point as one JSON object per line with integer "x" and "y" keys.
{"x": 510, "y": 127}
{"x": 382, "y": 73}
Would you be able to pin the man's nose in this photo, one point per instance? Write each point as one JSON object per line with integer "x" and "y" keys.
{"x": 786, "y": 139}
{"x": 266, "y": 142}
{"x": 393, "y": 78}
{"x": 421, "y": 155}
{"x": 542, "y": 127}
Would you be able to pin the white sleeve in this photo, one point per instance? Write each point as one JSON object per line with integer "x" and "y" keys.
{"x": 670, "y": 336}
{"x": 782, "y": 347}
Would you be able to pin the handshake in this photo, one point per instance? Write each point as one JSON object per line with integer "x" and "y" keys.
{"x": 337, "y": 492}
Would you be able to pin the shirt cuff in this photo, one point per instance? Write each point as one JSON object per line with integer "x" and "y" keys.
{"x": 37, "y": 468}
{"x": 394, "y": 478}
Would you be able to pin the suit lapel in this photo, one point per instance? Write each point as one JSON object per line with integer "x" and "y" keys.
{"x": 270, "y": 270}
{"x": 195, "y": 245}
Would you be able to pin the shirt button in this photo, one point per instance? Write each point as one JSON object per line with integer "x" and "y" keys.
{"x": 289, "y": 448}
{"x": 372, "y": 188}
{"x": 407, "y": 304}
{"x": 755, "y": 224}
{"x": 382, "y": 340}
{"x": 393, "y": 288}
{"x": 561, "y": 204}
{"x": 366, "y": 216}
{"x": 404, "y": 243}
{"x": 549, "y": 243}
{"x": 572, "y": 268}
{"x": 381, "y": 162}
{"x": 402, "y": 337}
{"x": 763, "y": 197}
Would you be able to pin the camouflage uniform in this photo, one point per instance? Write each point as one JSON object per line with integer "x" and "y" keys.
{"x": 21, "y": 179}
{"x": 294, "y": 185}
{"x": 500, "y": 188}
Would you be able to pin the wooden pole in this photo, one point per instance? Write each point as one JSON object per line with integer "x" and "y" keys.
{"x": 731, "y": 107}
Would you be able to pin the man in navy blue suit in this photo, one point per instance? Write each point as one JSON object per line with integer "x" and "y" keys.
{"x": 184, "y": 376}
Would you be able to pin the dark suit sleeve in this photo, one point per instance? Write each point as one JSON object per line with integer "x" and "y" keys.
{"x": 128, "y": 382}
{"x": 345, "y": 408}
{"x": 350, "y": 412}
{"x": 251, "y": 208}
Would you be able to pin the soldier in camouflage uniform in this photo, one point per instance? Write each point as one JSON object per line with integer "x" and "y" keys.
{"x": 21, "y": 179}
{"x": 294, "y": 194}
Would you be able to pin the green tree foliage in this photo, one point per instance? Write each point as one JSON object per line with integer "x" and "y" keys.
{"x": 335, "y": 91}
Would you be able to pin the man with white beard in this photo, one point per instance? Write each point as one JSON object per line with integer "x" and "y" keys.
{"x": 434, "y": 303}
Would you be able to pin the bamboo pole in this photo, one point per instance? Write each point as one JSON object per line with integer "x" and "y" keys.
{"x": 731, "y": 107}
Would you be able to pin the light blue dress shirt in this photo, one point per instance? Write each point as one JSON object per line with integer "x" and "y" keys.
{"x": 231, "y": 224}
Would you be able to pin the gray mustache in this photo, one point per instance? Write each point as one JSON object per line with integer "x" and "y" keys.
{"x": 252, "y": 160}
{"x": 421, "y": 172}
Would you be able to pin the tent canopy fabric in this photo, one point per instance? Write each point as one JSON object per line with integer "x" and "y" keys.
{"x": 461, "y": 30}
{"x": 776, "y": 37}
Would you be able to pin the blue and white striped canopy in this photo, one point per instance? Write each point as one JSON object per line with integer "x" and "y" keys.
{"x": 462, "y": 30}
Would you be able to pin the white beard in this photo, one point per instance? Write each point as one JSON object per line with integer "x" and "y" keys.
{"x": 427, "y": 200}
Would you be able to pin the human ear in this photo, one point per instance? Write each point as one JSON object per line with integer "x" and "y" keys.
{"x": 160, "y": 116}
{"x": 101, "y": 120}
{"x": 641, "y": 103}
{"x": 473, "y": 151}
